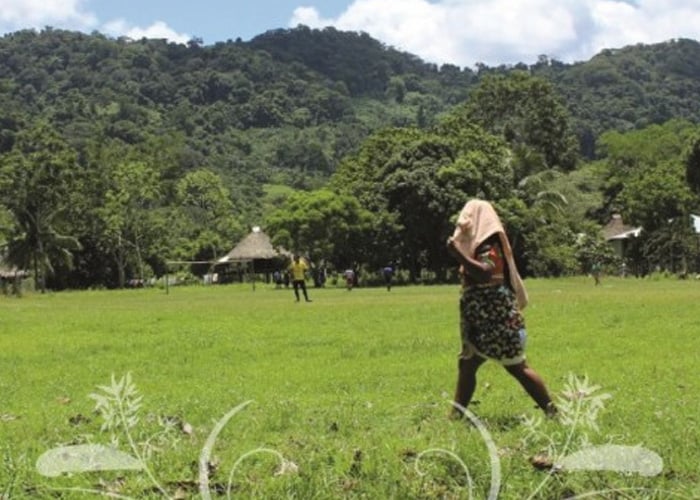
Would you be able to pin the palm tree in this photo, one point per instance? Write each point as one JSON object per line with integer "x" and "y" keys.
{"x": 541, "y": 199}
{"x": 37, "y": 245}
{"x": 34, "y": 182}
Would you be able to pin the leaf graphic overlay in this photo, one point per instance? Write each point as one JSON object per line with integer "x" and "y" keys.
{"x": 85, "y": 458}
{"x": 612, "y": 457}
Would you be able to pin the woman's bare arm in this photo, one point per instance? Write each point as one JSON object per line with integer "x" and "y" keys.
{"x": 479, "y": 272}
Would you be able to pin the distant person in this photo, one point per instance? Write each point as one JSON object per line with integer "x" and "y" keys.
{"x": 493, "y": 294}
{"x": 298, "y": 269}
{"x": 277, "y": 278}
{"x": 388, "y": 273}
{"x": 319, "y": 277}
{"x": 595, "y": 272}
{"x": 349, "y": 279}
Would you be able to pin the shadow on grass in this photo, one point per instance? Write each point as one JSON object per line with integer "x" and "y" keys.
{"x": 502, "y": 422}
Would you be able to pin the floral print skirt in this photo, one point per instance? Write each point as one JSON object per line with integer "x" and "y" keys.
{"x": 491, "y": 324}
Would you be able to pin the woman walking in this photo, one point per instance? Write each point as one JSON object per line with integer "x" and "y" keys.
{"x": 493, "y": 295}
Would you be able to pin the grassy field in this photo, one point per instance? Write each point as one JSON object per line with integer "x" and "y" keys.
{"x": 345, "y": 397}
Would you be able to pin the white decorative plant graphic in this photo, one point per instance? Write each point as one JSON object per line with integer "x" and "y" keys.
{"x": 578, "y": 410}
{"x": 119, "y": 404}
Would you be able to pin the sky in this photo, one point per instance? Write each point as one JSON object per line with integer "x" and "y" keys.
{"x": 459, "y": 32}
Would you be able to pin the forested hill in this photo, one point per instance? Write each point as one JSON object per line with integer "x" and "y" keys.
{"x": 300, "y": 99}
{"x": 618, "y": 89}
{"x": 123, "y": 153}
{"x": 363, "y": 64}
{"x": 629, "y": 88}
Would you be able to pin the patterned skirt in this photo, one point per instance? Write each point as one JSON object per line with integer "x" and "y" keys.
{"x": 491, "y": 324}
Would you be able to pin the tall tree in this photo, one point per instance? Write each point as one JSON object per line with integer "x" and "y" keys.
{"x": 132, "y": 193}
{"x": 627, "y": 156}
{"x": 324, "y": 226}
{"x": 529, "y": 114}
{"x": 207, "y": 205}
{"x": 35, "y": 179}
{"x": 691, "y": 159}
{"x": 419, "y": 179}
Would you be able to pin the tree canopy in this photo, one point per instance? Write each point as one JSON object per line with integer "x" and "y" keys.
{"x": 117, "y": 155}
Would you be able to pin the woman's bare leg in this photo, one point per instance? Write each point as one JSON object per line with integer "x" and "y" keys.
{"x": 534, "y": 385}
{"x": 466, "y": 380}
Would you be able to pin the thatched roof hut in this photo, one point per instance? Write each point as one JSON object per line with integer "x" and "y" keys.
{"x": 255, "y": 246}
{"x": 255, "y": 253}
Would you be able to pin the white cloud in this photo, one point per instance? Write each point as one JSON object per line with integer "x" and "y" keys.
{"x": 465, "y": 32}
{"x": 647, "y": 22}
{"x": 158, "y": 29}
{"x": 71, "y": 14}
{"x": 22, "y": 14}
{"x": 308, "y": 16}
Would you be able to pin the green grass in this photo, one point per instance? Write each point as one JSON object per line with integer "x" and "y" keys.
{"x": 351, "y": 388}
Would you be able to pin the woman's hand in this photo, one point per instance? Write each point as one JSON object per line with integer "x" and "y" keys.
{"x": 474, "y": 271}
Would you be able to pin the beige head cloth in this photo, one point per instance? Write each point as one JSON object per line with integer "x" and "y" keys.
{"x": 477, "y": 222}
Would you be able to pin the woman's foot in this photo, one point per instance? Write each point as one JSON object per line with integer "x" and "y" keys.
{"x": 455, "y": 414}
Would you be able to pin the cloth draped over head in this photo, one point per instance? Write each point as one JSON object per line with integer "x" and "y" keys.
{"x": 478, "y": 221}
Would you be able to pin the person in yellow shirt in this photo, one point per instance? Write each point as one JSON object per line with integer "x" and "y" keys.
{"x": 297, "y": 269}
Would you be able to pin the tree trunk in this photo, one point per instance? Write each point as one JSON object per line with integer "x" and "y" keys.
{"x": 120, "y": 261}
{"x": 40, "y": 268}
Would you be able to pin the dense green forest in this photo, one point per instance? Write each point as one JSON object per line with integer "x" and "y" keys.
{"x": 119, "y": 155}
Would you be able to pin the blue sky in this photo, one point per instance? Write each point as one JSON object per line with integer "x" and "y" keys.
{"x": 461, "y": 32}
{"x": 211, "y": 20}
